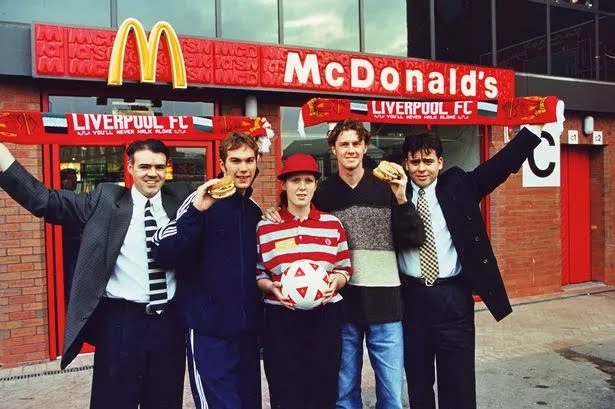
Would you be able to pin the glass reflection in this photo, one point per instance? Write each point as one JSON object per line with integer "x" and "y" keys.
{"x": 257, "y": 21}
{"x": 83, "y": 13}
{"x": 101, "y": 105}
{"x": 385, "y": 27}
{"x": 322, "y": 24}
{"x": 463, "y": 31}
{"x": 187, "y": 165}
{"x": 522, "y": 43}
{"x": 188, "y": 17}
{"x": 572, "y": 43}
{"x": 607, "y": 48}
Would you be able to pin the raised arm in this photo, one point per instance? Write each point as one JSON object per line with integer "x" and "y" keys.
{"x": 493, "y": 172}
{"x": 56, "y": 206}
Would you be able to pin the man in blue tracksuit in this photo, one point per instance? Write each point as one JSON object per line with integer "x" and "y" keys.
{"x": 212, "y": 246}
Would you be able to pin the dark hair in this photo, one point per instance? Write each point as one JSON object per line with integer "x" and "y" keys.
{"x": 153, "y": 145}
{"x": 348, "y": 125}
{"x": 234, "y": 141}
{"x": 66, "y": 171}
{"x": 283, "y": 199}
{"x": 424, "y": 142}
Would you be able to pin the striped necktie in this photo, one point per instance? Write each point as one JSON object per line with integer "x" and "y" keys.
{"x": 157, "y": 277}
{"x": 428, "y": 255}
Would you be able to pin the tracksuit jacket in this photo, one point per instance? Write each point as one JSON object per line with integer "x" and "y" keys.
{"x": 214, "y": 256}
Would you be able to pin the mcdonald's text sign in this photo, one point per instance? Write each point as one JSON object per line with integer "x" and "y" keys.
{"x": 87, "y": 53}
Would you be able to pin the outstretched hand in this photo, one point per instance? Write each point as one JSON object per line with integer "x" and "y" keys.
{"x": 556, "y": 128}
{"x": 6, "y": 157}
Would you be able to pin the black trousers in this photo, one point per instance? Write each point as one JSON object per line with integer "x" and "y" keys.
{"x": 439, "y": 325}
{"x": 302, "y": 354}
{"x": 139, "y": 358}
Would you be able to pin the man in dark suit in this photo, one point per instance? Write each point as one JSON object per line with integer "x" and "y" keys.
{"x": 438, "y": 278}
{"x": 120, "y": 301}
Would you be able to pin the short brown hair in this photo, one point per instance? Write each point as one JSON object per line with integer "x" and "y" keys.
{"x": 234, "y": 141}
{"x": 348, "y": 125}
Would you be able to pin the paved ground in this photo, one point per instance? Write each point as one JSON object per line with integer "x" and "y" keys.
{"x": 555, "y": 351}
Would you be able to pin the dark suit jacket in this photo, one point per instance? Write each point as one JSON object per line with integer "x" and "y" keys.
{"x": 459, "y": 194}
{"x": 105, "y": 216}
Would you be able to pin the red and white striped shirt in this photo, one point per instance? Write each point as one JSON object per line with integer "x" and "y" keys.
{"x": 320, "y": 238}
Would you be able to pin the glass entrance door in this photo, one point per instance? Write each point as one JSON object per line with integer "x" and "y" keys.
{"x": 82, "y": 168}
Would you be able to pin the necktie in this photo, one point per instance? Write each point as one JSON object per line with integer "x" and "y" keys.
{"x": 427, "y": 252}
{"x": 157, "y": 277}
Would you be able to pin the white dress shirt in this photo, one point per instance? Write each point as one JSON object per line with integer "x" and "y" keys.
{"x": 130, "y": 275}
{"x": 448, "y": 261}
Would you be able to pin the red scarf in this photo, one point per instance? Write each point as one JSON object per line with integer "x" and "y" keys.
{"x": 31, "y": 127}
{"x": 506, "y": 112}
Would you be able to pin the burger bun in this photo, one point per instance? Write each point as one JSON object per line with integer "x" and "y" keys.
{"x": 386, "y": 172}
{"x": 223, "y": 188}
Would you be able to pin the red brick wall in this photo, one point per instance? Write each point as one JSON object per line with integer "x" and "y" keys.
{"x": 23, "y": 282}
{"x": 602, "y": 204}
{"x": 526, "y": 222}
{"x": 525, "y": 232}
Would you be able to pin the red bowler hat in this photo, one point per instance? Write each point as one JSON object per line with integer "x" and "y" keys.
{"x": 299, "y": 163}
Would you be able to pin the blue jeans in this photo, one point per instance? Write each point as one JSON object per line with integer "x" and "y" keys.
{"x": 385, "y": 347}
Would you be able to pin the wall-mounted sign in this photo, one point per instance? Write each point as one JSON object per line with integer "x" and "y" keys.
{"x": 597, "y": 138}
{"x": 89, "y": 53}
{"x": 573, "y": 137}
{"x": 147, "y": 51}
{"x": 542, "y": 168}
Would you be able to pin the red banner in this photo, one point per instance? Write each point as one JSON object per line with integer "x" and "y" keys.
{"x": 94, "y": 129}
{"x": 77, "y": 52}
{"x": 506, "y": 112}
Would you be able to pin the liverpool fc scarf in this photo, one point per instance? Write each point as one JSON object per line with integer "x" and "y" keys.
{"x": 508, "y": 112}
{"x": 31, "y": 127}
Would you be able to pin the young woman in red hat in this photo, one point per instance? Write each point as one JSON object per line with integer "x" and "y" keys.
{"x": 301, "y": 348}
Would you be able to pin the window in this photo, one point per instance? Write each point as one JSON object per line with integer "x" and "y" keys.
{"x": 83, "y": 13}
{"x": 385, "y": 27}
{"x": 322, "y": 24}
{"x": 256, "y": 21}
{"x": 64, "y": 104}
{"x": 572, "y": 43}
{"x": 521, "y": 42}
{"x": 463, "y": 31}
{"x": 187, "y": 17}
{"x": 606, "y": 53}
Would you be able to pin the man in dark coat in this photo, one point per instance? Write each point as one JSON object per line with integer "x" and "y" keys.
{"x": 438, "y": 278}
{"x": 139, "y": 339}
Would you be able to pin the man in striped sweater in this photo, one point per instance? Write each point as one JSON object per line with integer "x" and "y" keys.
{"x": 378, "y": 219}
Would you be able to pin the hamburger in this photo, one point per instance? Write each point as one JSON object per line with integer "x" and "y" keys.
{"x": 224, "y": 188}
{"x": 385, "y": 171}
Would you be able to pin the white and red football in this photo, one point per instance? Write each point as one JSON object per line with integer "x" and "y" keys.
{"x": 305, "y": 283}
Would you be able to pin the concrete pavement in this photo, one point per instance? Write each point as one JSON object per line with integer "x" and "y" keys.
{"x": 554, "y": 351}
